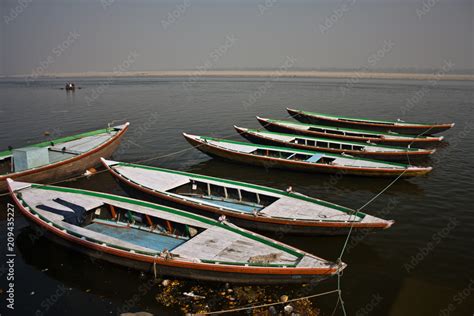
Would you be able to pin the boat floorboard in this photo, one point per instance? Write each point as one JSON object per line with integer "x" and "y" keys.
{"x": 219, "y": 244}
{"x": 142, "y": 238}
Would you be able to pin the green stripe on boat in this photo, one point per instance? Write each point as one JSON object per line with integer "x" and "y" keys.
{"x": 61, "y": 140}
{"x": 343, "y": 129}
{"x": 309, "y": 152}
{"x": 357, "y": 119}
{"x": 330, "y": 140}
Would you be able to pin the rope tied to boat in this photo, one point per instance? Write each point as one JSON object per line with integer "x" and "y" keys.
{"x": 154, "y": 266}
{"x": 267, "y": 305}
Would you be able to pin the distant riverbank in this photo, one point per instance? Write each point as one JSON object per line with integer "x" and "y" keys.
{"x": 352, "y": 75}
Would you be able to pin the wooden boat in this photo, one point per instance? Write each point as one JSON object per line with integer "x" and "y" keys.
{"x": 300, "y": 160}
{"x": 247, "y": 205}
{"x": 392, "y": 139}
{"x": 399, "y": 126}
{"x": 163, "y": 240}
{"x": 356, "y": 149}
{"x": 61, "y": 158}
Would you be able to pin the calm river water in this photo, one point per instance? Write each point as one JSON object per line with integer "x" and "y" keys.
{"x": 423, "y": 265}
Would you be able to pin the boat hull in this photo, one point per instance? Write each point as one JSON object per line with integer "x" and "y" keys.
{"x": 393, "y": 141}
{"x": 270, "y": 162}
{"x": 63, "y": 170}
{"x": 161, "y": 266}
{"x": 388, "y": 156}
{"x": 264, "y": 224}
{"x": 408, "y": 129}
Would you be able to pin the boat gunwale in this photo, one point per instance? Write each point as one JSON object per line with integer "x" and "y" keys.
{"x": 372, "y": 122}
{"x": 394, "y": 135}
{"x": 404, "y": 150}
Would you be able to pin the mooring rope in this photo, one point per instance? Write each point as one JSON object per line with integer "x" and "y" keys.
{"x": 266, "y": 305}
{"x": 339, "y": 259}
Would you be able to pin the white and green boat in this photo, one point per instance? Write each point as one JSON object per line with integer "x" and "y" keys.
{"x": 398, "y": 126}
{"x": 344, "y": 133}
{"x": 163, "y": 240}
{"x": 337, "y": 146}
{"x": 247, "y": 205}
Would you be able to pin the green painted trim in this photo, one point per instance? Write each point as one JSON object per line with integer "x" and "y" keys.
{"x": 173, "y": 211}
{"x": 248, "y": 185}
{"x": 276, "y": 265}
{"x": 333, "y": 128}
{"x": 360, "y": 119}
{"x": 329, "y": 140}
{"x": 308, "y": 152}
{"x": 60, "y": 140}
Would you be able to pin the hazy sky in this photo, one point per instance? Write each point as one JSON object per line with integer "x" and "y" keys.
{"x": 106, "y": 35}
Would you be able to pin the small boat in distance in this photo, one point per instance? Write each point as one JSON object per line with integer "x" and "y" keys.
{"x": 398, "y": 126}
{"x": 70, "y": 86}
{"x": 244, "y": 204}
{"x": 300, "y": 160}
{"x": 366, "y": 150}
{"x": 356, "y": 135}
{"x": 61, "y": 158}
{"x": 163, "y": 240}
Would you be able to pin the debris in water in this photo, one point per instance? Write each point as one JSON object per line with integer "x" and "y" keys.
{"x": 191, "y": 294}
{"x": 288, "y": 309}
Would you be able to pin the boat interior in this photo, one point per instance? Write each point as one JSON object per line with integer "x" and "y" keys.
{"x": 231, "y": 198}
{"x": 323, "y": 144}
{"x": 123, "y": 224}
{"x": 33, "y": 157}
{"x": 316, "y": 158}
{"x": 362, "y": 121}
{"x": 141, "y": 228}
{"x": 344, "y": 133}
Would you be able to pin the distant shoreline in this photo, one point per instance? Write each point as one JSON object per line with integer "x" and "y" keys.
{"x": 195, "y": 74}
